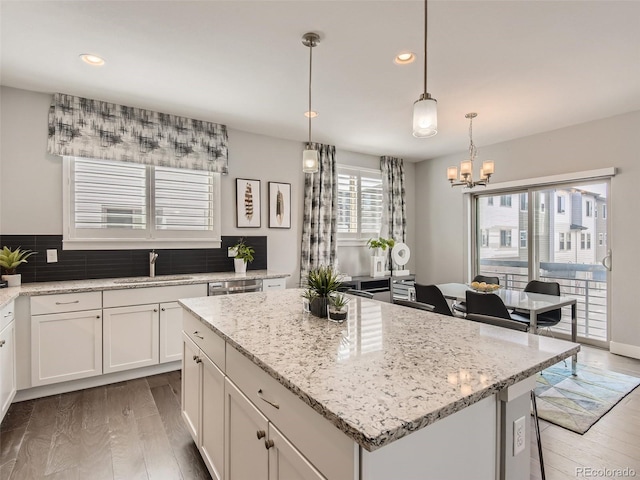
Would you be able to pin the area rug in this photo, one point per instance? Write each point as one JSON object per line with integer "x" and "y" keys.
{"x": 576, "y": 403}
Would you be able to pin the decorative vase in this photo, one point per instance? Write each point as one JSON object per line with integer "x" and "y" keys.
{"x": 337, "y": 314}
{"x": 377, "y": 266}
{"x": 240, "y": 265}
{"x": 13, "y": 280}
{"x": 319, "y": 306}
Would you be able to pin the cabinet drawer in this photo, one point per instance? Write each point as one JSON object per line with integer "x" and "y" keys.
{"x": 274, "y": 284}
{"x": 7, "y": 314}
{"x": 141, "y": 296}
{"x": 326, "y": 447}
{"x": 66, "y": 302}
{"x": 210, "y": 343}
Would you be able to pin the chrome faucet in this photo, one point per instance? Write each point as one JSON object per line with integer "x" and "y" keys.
{"x": 153, "y": 256}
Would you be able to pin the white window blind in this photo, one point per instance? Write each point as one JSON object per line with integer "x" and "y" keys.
{"x": 124, "y": 202}
{"x": 359, "y": 202}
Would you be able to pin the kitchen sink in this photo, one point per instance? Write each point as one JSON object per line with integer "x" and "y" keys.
{"x": 164, "y": 278}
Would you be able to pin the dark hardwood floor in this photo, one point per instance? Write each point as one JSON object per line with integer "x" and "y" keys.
{"x": 134, "y": 430}
{"x": 130, "y": 430}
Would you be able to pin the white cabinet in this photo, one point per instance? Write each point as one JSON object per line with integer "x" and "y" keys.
{"x": 286, "y": 462}
{"x": 131, "y": 337}
{"x": 203, "y": 405}
{"x": 269, "y": 284}
{"x": 65, "y": 346}
{"x": 7, "y": 358}
{"x": 170, "y": 332}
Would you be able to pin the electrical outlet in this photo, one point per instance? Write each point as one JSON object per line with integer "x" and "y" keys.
{"x": 52, "y": 255}
{"x": 519, "y": 436}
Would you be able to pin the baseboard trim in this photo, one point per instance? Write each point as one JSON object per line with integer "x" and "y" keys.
{"x": 624, "y": 349}
{"x": 97, "y": 381}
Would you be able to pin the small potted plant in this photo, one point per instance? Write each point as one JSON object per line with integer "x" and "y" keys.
{"x": 10, "y": 260}
{"x": 338, "y": 307}
{"x": 243, "y": 255}
{"x": 321, "y": 283}
{"x": 378, "y": 248}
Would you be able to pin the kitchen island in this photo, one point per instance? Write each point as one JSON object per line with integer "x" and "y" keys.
{"x": 392, "y": 392}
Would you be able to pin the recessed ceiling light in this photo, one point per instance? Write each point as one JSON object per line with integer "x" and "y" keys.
{"x": 404, "y": 58}
{"x": 312, "y": 114}
{"x": 91, "y": 59}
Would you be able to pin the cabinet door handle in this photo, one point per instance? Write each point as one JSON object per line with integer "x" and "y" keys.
{"x": 67, "y": 303}
{"x": 261, "y": 434}
{"x": 155, "y": 309}
{"x": 8, "y": 314}
{"x": 197, "y": 359}
{"x": 274, "y": 405}
{"x": 268, "y": 444}
{"x": 97, "y": 316}
{"x": 2, "y": 342}
{"x": 162, "y": 309}
{"x": 196, "y": 334}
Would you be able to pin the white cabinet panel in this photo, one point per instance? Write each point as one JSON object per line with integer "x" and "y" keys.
{"x": 65, "y": 302}
{"x": 287, "y": 463}
{"x": 191, "y": 394}
{"x": 212, "y": 417}
{"x": 170, "y": 332}
{"x": 140, "y": 296}
{"x": 274, "y": 284}
{"x": 7, "y": 367}
{"x": 65, "y": 346}
{"x": 131, "y": 337}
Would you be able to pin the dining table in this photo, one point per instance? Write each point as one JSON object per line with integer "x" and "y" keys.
{"x": 534, "y": 303}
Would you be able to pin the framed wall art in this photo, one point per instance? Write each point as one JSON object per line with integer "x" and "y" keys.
{"x": 247, "y": 203}
{"x": 279, "y": 205}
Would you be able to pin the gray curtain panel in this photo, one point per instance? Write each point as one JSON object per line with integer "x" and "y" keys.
{"x": 319, "y": 223}
{"x": 82, "y": 127}
{"x": 394, "y": 220}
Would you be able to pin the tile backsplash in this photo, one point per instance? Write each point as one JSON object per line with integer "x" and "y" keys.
{"x": 86, "y": 264}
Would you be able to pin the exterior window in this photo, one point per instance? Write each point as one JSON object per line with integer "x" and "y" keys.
{"x": 523, "y": 239}
{"x": 359, "y": 203}
{"x": 568, "y": 240}
{"x": 122, "y": 203}
{"x": 605, "y": 239}
{"x": 561, "y": 205}
{"x": 524, "y": 202}
{"x": 505, "y": 200}
{"x": 595, "y": 212}
{"x": 588, "y": 241}
{"x": 505, "y": 238}
{"x": 484, "y": 238}
{"x": 588, "y": 208}
{"x": 604, "y": 210}
{"x": 561, "y": 243}
{"x": 583, "y": 241}
{"x": 601, "y": 239}
{"x": 490, "y": 201}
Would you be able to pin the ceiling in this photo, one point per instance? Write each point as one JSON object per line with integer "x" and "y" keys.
{"x": 525, "y": 66}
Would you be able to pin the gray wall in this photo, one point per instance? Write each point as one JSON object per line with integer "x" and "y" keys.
{"x": 610, "y": 142}
{"x": 31, "y": 182}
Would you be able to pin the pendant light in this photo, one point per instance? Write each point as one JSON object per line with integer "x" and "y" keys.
{"x": 425, "y": 109}
{"x": 310, "y": 155}
{"x": 466, "y": 166}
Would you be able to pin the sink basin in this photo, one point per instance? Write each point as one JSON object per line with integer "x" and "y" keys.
{"x": 165, "y": 278}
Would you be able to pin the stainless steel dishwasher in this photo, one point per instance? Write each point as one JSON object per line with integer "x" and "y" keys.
{"x": 229, "y": 287}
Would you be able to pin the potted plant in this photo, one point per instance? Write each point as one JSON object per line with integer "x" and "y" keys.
{"x": 321, "y": 283}
{"x": 378, "y": 248}
{"x": 243, "y": 255}
{"x": 338, "y": 307}
{"x": 10, "y": 260}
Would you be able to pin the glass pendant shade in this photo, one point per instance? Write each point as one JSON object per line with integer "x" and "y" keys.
{"x": 425, "y": 117}
{"x": 310, "y": 161}
{"x": 452, "y": 173}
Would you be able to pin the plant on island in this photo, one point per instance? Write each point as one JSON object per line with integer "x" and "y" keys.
{"x": 321, "y": 283}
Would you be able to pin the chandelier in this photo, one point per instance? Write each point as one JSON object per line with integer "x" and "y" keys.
{"x": 466, "y": 167}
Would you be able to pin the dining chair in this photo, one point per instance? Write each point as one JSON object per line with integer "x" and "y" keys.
{"x": 491, "y": 305}
{"x": 431, "y": 295}
{"x": 521, "y": 327}
{"x": 461, "y": 307}
{"x": 359, "y": 293}
{"x": 546, "y": 319}
{"x": 408, "y": 303}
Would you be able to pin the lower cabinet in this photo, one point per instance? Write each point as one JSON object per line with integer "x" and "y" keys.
{"x": 170, "y": 332}
{"x": 65, "y": 346}
{"x": 286, "y": 462}
{"x": 7, "y": 362}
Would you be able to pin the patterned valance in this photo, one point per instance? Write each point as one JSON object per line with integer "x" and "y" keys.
{"x": 82, "y": 127}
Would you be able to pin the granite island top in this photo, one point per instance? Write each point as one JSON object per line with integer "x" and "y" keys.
{"x": 93, "y": 285}
{"x": 385, "y": 372}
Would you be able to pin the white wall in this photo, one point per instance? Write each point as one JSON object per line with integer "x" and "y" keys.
{"x": 31, "y": 182}
{"x": 593, "y": 145}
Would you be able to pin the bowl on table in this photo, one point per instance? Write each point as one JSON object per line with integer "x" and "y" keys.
{"x": 484, "y": 287}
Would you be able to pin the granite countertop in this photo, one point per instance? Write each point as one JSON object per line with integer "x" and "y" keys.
{"x": 385, "y": 372}
{"x": 73, "y": 286}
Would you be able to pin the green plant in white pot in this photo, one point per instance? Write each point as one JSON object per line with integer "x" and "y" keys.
{"x": 10, "y": 260}
{"x": 322, "y": 282}
{"x": 243, "y": 255}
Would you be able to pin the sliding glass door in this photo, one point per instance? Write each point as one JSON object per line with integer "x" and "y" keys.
{"x": 554, "y": 233}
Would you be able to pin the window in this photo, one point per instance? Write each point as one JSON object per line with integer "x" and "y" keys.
{"x": 359, "y": 203}
{"x": 560, "y": 203}
{"x": 601, "y": 239}
{"x": 490, "y": 201}
{"x": 588, "y": 206}
{"x": 568, "y": 240}
{"x": 505, "y": 238}
{"x": 122, "y": 204}
{"x": 524, "y": 202}
{"x": 595, "y": 212}
{"x": 561, "y": 242}
{"x": 523, "y": 239}
{"x": 484, "y": 238}
{"x": 588, "y": 241}
{"x": 583, "y": 241}
{"x": 604, "y": 210}
{"x": 505, "y": 200}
